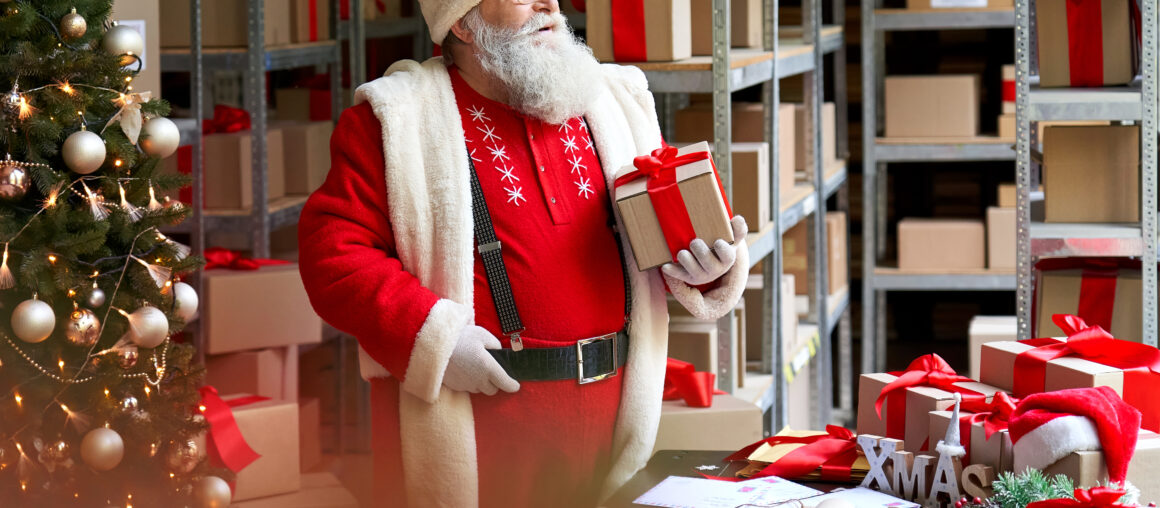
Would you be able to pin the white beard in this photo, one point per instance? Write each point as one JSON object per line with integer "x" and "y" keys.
{"x": 546, "y": 74}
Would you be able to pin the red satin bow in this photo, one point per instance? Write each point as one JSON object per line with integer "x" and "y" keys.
{"x": 660, "y": 171}
{"x": 218, "y": 257}
{"x": 994, "y": 416}
{"x": 226, "y": 119}
{"x": 1096, "y": 497}
{"x": 682, "y": 381}
{"x": 834, "y": 452}
{"x": 225, "y": 440}
{"x": 927, "y": 370}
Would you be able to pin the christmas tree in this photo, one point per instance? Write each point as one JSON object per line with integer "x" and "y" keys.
{"x": 98, "y": 406}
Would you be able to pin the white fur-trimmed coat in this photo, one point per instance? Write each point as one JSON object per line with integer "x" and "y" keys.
{"x": 430, "y": 212}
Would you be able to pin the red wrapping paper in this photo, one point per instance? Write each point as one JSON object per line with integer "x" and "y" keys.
{"x": 834, "y": 452}
{"x": 628, "y": 31}
{"x": 1097, "y": 296}
{"x": 226, "y": 444}
{"x": 1096, "y": 497}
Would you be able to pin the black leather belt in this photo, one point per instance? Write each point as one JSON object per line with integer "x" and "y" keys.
{"x": 586, "y": 361}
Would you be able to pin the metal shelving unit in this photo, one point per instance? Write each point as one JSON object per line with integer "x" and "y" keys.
{"x": 357, "y": 30}
{"x": 1136, "y": 103}
{"x": 878, "y": 151}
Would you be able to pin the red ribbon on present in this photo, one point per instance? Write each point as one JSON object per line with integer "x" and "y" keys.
{"x": 1097, "y": 294}
{"x": 225, "y": 440}
{"x": 1085, "y": 42}
{"x": 1096, "y": 497}
{"x": 226, "y": 119}
{"x": 993, "y": 415}
{"x": 312, "y": 14}
{"x": 218, "y": 257}
{"x": 927, "y": 370}
{"x": 1008, "y": 90}
{"x": 628, "y": 31}
{"x": 682, "y": 381}
{"x": 834, "y": 452}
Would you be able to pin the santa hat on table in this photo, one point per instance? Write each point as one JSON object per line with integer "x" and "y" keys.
{"x": 441, "y": 14}
{"x": 1046, "y": 427}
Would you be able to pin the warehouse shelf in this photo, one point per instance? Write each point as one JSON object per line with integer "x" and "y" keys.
{"x": 1074, "y": 240}
{"x": 758, "y": 389}
{"x": 383, "y": 28}
{"x": 281, "y": 57}
{"x": 761, "y": 243}
{"x": 886, "y": 278}
{"x": 975, "y": 148}
{"x": 282, "y": 211}
{"x": 835, "y": 178}
{"x": 798, "y": 204}
{"x": 838, "y": 303}
{"x": 943, "y": 19}
{"x": 1115, "y": 103}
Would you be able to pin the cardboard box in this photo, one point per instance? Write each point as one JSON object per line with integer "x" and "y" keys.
{"x": 997, "y": 452}
{"x": 754, "y": 318}
{"x": 997, "y": 367}
{"x": 309, "y": 434}
{"x": 1007, "y": 126}
{"x": 957, "y": 4}
{"x": 229, "y": 27}
{"x": 1087, "y": 469}
{"x": 302, "y": 104}
{"x": 1008, "y": 93}
{"x": 932, "y": 106}
{"x": 244, "y": 310}
{"x": 667, "y": 30}
{"x": 310, "y": 20}
{"x": 986, "y": 329}
{"x": 795, "y": 259}
{"x": 751, "y": 184}
{"x": 695, "y": 123}
{"x": 829, "y": 148}
{"x": 257, "y": 372}
{"x": 1006, "y": 195}
{"x": 745, "y": 28}
{"x": 228, "y": 169}
{"x": 920, "y": 401}
{"x": 694, "y": 341}
{"x": 789, "y": 320}
{"x": 1091, "y": 174}
{"x": 836, "y": 251}
{"x": 700, "y": 189}
{"x": 1057, "y": 34}
{"x": 941, "y": 244}
{"x": 306, "y": 155}
{"x": 1058, "y": 292}
{"x": 319, "y": 490}
{"x": 145, "y": 17}
{"x": 729, "y": 424}
{"x": 271, "y": 428}
{"x": 1001, "y": 238}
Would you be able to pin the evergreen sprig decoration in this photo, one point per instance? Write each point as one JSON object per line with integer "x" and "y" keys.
{"x": 1017, "y": 491}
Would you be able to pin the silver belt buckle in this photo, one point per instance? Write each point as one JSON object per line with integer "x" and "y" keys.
{"x": 580, "y": 359}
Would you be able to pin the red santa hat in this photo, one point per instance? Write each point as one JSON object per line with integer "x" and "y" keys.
{"x": 1046, "y": 427}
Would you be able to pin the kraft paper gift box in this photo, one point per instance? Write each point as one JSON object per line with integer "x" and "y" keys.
{"x": 1008, "y": 93}
{"x": 920, "y": 401}
{"x": 229, "y": 175}
{"x": 744, "y": 25}
{"x": 1001, "y": 238}
{"x": 303, "y": 104}
{"x": 941, "y": 244}
{"x": 997, "y": 367}
{"x": 257, "y": 372}
{"x": 1093, "y": 290}
{"x": 679, "y": 316}
{"x": 661, "y": 32}
{"x": 306, "y": 155}
{"x": 997, "y": 452}
{"x": 310, "y": 20}
{"x": 1007, "y": 126}
{"x": 270, "y": 427}
{"x": 145, "y": 17}
{"x": 319, "y": 490}
{"x": 309, "y": 434}
{"x": 255, "y": 309}
{"x": 704, "y": 205}
{"x": 694, "y": 341}
{"x": 729, "y": 424}
{"x": 229, "y": 26}
{"x": 986, "y": 329}
{"x": 1091, "y": 173}
{"x": 932, "y": 106}
{"x": 829, "y": 150}
{"x": 836, "y": 250}
{"x": 1087, "y": 468}
{"x": 751, "y": 184}
{"x": 1006, "y": 195}
{"x": 767, "y": 454}
{"x": 1086, "y": 44}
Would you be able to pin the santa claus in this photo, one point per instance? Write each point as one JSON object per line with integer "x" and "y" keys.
{"x": 465, "y": 236}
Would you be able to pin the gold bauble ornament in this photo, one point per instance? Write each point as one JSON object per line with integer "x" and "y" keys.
{"x": 83, "y": 328}
{"x": 14, "y": 180}
{"x": 102, "y": 449}
{"x": 183, "y": 456}
{"x": 73, "y": 25}
{"x": 33, "y": 321}
{"x": 212, "y": 492}
{"x": 128, "y": 404}
{"x": 55, "y": 455}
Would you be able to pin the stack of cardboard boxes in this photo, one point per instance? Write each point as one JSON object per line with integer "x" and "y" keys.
{"x": 672, "y": 30}
{"x": 285, "y": 22}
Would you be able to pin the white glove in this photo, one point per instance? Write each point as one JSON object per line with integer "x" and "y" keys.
{"x": 472, "y": 369}
{"x": 704, "y": 265}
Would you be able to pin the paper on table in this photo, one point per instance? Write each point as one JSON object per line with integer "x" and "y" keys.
{"x": 863, "y": 498}
{"x": 685, "y": 492}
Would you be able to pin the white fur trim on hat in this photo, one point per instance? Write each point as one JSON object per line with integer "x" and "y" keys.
{"x": 1054, "y": 440}
{"x": 441, "y": 14}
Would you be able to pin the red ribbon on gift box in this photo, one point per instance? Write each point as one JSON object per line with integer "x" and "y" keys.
{"x": 1096, "y": 497}
{"x": 226, "y": 119}
{"x": 660, "y": 170}
{"x": 834, "y": 452}
{"x": 226, "y": 444}
{"x": 312, "y": 13}
{"x": 218, "y": 257}
{"x": 1008, "y": 90}
{"x": 1140, "y": 363}
{"x": 994, "y": 416}
{"x": 927, "y": 370}
{"x": 628, "y": 31}
{"x": 682, "y": 381}
{"x": 1085, "y": 42}
{"x": 1097, "y": 292}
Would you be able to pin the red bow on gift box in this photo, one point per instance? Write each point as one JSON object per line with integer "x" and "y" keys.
{"x": 226, "y": 119}
{"x": 1096, "y": 497}
{"x": 682, "y": 381}
{"x": 225, "y": 441}
{"x": 834, "y": 452}
{"x": 218, "y": 257}
{"x": 927, "y": 370}
{"x": 994, "y": 415}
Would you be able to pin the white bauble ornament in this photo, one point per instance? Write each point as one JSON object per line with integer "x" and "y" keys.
{"x": 33, "y": 321}
{"x": 123, "y": 40}
{"x": 96, "y": 298}
{"x": 148, "y": 327}
{"x": 161, "y": 137}
{"x": 835, "y": 503}
{"x": 212, "y": 492}
{"x": 83, "y": 152}
{"x": 185, "y": 302}
{"x": 102, "y": 449}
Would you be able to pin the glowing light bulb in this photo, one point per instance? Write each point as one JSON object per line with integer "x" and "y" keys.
{"x": 18, "y": 399}
{"x": 52, "y": 258}
{"x": 106, "y": 392}
{"x": 60, "y": 363}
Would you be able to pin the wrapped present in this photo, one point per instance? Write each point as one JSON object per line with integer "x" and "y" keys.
{"x": 1091, "y": 173}
{"x": 306, "y": 155}
{"x": 310, "y": 20}
{"x": 984, "y": 329}
{"x": 809, "y": 456}
{"x": 257, "y": 372}
{"x": 309, "y": 434}
{"x": 1085, "y": 43}
{"x": 1008, "y": 90}
{"x": 982, "y": 430}
{"x": 728, "y": 424}
{"x": 897, "y": 404}
{"x": 1104, "y": 292}
{"x": 1088, "y": 469}
{"x": 255, "y": 304}
{"x": 1089, "y": 357}
{"x": 639, "y": 30}
{"x": 270, "y": 427}
{"x": 669, "y": 198}
{"x": 694, "y": 341}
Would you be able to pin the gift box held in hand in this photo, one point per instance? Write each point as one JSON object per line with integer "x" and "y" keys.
{"x": 668, "y": 199}
{"x": 1084, "y": 43}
